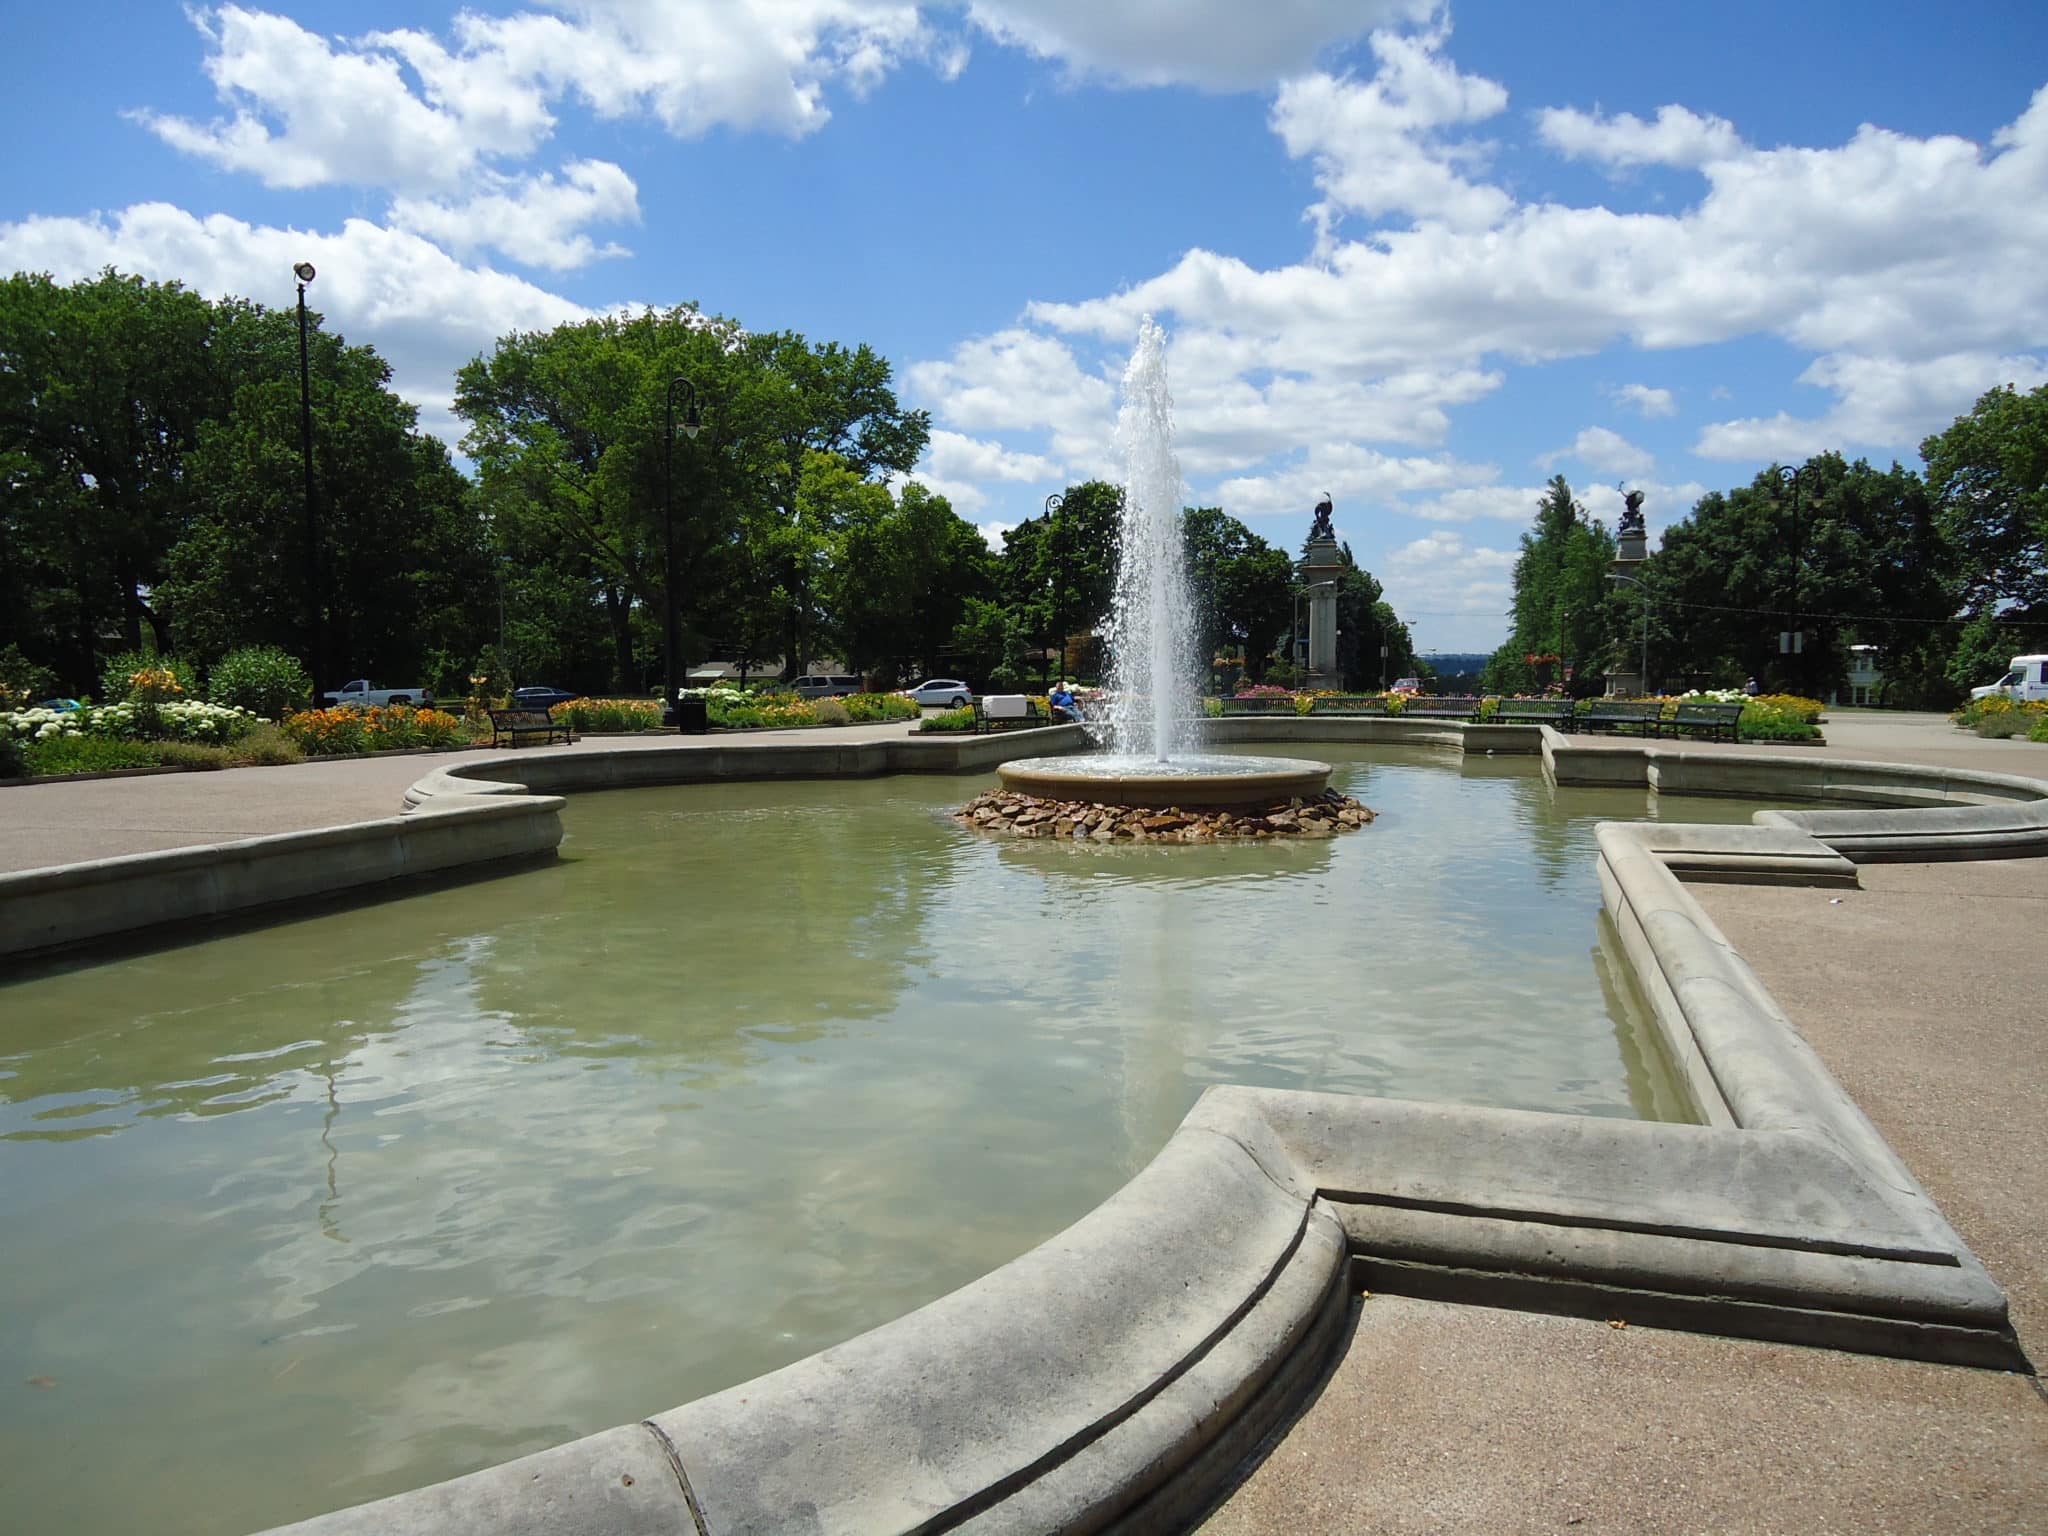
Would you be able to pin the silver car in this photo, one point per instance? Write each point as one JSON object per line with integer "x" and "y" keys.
{"x": 942, "y": 692}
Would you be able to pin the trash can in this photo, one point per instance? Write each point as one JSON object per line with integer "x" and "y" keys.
{"x": 693, "y": 716}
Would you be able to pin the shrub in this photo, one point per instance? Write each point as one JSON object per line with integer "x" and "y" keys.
{"x": 13, "y": 760}
{"x": 89, "y": 754}
{"x": 266, "y": 745}
{"x": 831, "y": 712}
{"x": 266, "y": 680}
{"x": 23, "y": 682}
{"x": 2038, "y": 731}
{"x": 119, "y": 674}
{"x": 760, "y": 711}
{"x": 961, "y": 719}
{"x": 607, "y": 715}
{"x": 869, "y": 708}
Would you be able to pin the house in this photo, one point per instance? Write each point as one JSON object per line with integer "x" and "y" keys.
{"x": 1865, "y": 684}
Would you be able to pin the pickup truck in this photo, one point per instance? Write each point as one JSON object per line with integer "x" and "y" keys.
{"x": 361, "y": 693}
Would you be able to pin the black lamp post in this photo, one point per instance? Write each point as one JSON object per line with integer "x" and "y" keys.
{"x": 692, "y": 425}
{"x": 317, "y": 662}
{"x": 1057, "y": 527}
{"x": 1793, "y": 642}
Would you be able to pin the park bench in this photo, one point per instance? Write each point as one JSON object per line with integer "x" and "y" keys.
{"x": 1351, "y": 704}
{"x": 1008, "y": 712}
{"x": 1261, "y": 704}
{"x": 1553, "y": 712}
{"x": 516, "y": 725}
{"x": 1433, "y": 706}
{"x": 1710, "y": 720}
{"x": 1647, "y": 715}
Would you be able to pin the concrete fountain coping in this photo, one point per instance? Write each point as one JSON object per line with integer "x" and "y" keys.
{"x": 1112, "y": 1377}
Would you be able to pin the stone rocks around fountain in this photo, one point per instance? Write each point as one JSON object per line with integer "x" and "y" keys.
{"x": 1013, "y": 814}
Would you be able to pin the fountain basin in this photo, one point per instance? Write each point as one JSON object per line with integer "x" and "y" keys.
{"x": 1192, "y": 781}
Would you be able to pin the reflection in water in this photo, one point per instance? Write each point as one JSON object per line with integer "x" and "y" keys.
{"x": 314, "y": 1212}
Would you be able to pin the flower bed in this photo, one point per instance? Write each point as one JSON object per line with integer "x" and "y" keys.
{"x": 607, "y": 715}
{"x": 173, "y": 720}
{"x": 1999, "y": 718}
{"x": 397, "y": 728}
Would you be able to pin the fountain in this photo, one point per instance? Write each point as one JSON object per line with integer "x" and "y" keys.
{"x": 1154, "y": 703}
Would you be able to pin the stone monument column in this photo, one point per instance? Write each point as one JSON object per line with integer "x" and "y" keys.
{"x": 1320, "y": 565}
{"x": 1629, "y": 678}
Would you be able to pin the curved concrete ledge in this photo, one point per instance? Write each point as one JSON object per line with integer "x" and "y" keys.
{"x": 46, "y": 909}
{"x": 537, "y": 771}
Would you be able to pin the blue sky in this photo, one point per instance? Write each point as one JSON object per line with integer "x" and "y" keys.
{"x": 1419, "y": 258}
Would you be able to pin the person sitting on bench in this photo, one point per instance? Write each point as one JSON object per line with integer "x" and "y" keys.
{"x": 1062, "y": 700}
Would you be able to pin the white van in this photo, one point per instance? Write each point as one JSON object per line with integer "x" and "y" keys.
{"x": 2025, "y": 680}
{"x": 826, "y": 685}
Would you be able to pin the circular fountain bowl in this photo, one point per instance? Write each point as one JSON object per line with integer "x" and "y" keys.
{"x": 1191, "y": 781}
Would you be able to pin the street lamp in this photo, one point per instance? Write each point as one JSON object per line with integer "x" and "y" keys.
{"x": 1056, "y": 527}
{"x": 692, "y": 425}
{"x": 1792, "y": 642}
{"x": 316, "y": 663}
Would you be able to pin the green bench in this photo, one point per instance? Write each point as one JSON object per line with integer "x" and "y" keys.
{"x": 1553, "y": 712}
{"x": 1710, "y": 720}
{"x": 1350, "y": 704}
{"x": 1448, "y": 706}
{"x": 1617, "y": 714}
{"x": 1008, "y": 712}
{"x": 517, "y": 725}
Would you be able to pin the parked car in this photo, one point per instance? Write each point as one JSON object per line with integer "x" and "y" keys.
{"x": 2025, "y": 680}
{"x": 942, "y": 692}
{"x": 1406, "y": 684}
{"x": 361, "y": 693}
{"x": 541, "y": 696}
{"x": 826, "y": 685}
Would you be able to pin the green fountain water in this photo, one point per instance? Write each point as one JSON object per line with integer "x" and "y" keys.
{"x": 321, "y": 1210}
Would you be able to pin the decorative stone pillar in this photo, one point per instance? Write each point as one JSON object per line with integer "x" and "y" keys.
{"x": 1320, "y": 566}
{"x": 1631, "y": 548}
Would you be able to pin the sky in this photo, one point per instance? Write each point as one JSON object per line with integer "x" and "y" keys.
{"x": 1419, "y": 258}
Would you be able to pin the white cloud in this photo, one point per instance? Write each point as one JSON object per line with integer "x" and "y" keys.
{"x": 1017, "y": 380}
{"x": 992, "y": 534}
{"x": 1220, "y": 44}
{"x": 533, "y": 220}
{"x": 952, "y": 455}
{"x": 1376, "y": 144}
{"x": 1677, "y": 137}
{"x": 1644, "y": 400}
{"x": 1880, "y": 403}
{"x": 1599, "y": 448}
{"x": 1352, "y": 474}
{"x": 1467, "y": 503}
{"x": 306, "y": 111}
{"x": 1452, "y": 594}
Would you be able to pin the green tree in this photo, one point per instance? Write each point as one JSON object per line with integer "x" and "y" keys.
{"x": 1988, "y": 473}
{"x": 1058, "y": 570}
{"x": 1563, "y": 606}
{"x": 1848, "y": 552}
{"x": 1243, "y": 588}
{"x": 403, "y": 567}
{"x": 104, "y": 385}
